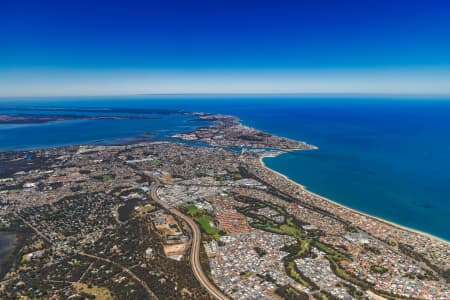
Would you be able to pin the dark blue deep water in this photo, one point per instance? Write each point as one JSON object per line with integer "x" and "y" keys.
{"x": 386, "y": 157}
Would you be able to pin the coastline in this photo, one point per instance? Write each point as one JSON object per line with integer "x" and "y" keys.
{"x": 261, "y": 157}
{"x": 398, "y": 226}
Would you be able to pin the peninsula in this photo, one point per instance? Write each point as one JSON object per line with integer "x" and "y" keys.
{"x": 198, "y": 217}
{"x": 38, "y": 119}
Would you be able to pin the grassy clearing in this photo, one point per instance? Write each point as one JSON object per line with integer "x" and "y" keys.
{"x": 330, "y": 251}
{"x": 304, "y": 247}
{"x": 237, "y": 176}
{"x": 205, "y": 220}
{"x": 292, "y": 228}
{"x": 289, "y": 293}
{"x": 296, "y": 251}
{"x": 99, "y": 293}
{"x": 334, "y": 257}
{"x": 378, "y": 269}
{"x": 193, "y": 210}
{"x": 246, "y": 273}
{"x": 293, "y": 272}
{"x": 322, "y": 295}
{"x": 289, "y": 227}
{"x": 340, "y": 272}
{"x": 142, "y": 209}
{"x": 153, "y": 163}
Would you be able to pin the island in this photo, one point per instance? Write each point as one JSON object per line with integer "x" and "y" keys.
{"x": 198, "y": 217}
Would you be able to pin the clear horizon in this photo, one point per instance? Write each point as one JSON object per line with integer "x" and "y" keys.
{"x": 113, "y": 83}
{"x": 107, "y": 48}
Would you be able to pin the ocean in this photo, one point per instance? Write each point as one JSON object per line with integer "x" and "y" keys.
{"x": 385, "y": 156}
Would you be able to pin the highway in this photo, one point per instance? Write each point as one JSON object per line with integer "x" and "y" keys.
{"x": 196, "y": 238}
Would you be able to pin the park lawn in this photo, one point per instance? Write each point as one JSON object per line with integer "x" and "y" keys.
{"x": 204, "y": 222}
{"x": 193, "y": 210}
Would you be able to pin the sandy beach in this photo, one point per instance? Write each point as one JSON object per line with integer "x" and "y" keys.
{"x": 398, "y": 226}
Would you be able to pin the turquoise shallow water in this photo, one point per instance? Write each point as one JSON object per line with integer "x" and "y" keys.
{"x": 386, "y": 157}
{"x": 73, "y": 132}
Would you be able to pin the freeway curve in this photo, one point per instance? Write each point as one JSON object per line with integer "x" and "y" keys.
{"x": 196, "y": 237}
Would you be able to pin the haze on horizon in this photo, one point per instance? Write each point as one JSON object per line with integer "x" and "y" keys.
{"x": 52, "y": 48}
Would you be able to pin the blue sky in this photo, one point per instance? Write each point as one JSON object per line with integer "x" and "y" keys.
{"x": 126, "y": 47}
